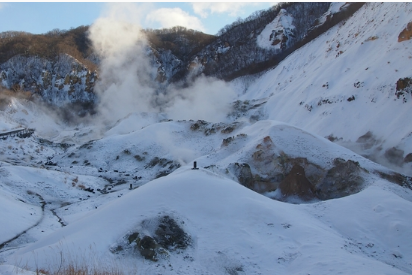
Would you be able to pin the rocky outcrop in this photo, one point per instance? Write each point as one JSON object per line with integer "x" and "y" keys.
{"x": 59, "y": 81}
{"x": 297, "y": 177}
{"x": 154, "y": 238}
{"x": 342, "y": 180}
{"x": 296, "y": 184}
{"x": 406, "y": 33}
{"x": 404, "y": 88}
{"x": 213, "y": 128}
{"x": 394, "y": 156}
{"x": 237, "y": 50}
{"x": 279, "y": 34}
{"x": 244, "y": 174}
{"x": 367, "y": 140}
{"x": 408, "y": 158}
{"x": 269, "y": 169}
{"x": 147, "y": 246}
{"x": 170, "y": 235}
{"x": 167, "y": 64}
{"x": 396, "y": 178}
{"x": 65, "y": 80}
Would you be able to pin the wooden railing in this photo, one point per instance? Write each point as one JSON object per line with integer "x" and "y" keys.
{"x": 21, "y": 133}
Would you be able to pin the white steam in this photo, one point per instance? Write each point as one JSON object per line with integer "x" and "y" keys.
{"x": 127, "y": 83}
{"x": 124, "y": 69}
{"x": 127, "y": 77}
{"x": 207, "y": 99}
{"x": 181, "y": 154}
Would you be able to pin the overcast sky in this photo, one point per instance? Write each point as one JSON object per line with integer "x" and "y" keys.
{"x": 209, "y": 17}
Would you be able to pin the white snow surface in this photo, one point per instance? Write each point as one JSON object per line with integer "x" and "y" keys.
{"x": 16, "y": 216}
{"x": 282, "y": 23}
{"x": 360, "y": 57}
{"x": 233, "y": 230}
{"x": 233, "y": 227}
{"x": 334, "y": 8}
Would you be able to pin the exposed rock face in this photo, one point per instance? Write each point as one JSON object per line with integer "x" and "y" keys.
{"x": 394, "y": 156}
{"x": 281, "y": 31}
{"x": 244, "y": 174}
{"x": 408, "y": 158}
{"x": 244, "y": 53}
{"x": 300, "y": 178}
{"x": 166, "y": 63}
{"x": 175, "y": 55}
{"x": 404, "y": 88}
{"x": 147, "y": 246}
{"x": 65, "y": 80}
{"x": 269, "y": 169}
{"x": 170, "y": 235}
{"x": 296, "y": 184}
{"x": 342, "y": 180}
{"x": 59, "y": 81}
{"x": 406, "y": 33}
{"x": 403, "y": 83}
{"x": 155, "y": 237}
{"x": 396, "y": 178}
{"x": 258, "y": 43}
{"x": 167, "y": 166}
{"x": 367, "y": 140}
{"x": 266, "y": 168}
{"x": 212, "y": 128}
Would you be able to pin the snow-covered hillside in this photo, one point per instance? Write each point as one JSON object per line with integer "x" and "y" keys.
{"x": 343, "y": 85}
{"x": 57, "y": 81}
{"x": 80, "y": 205}
{"x": 273, "y": 190}
{"x": 233, "y": 230}
{"x": 277, "y": 33}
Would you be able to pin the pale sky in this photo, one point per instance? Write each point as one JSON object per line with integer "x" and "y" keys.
{"x": 41, "y": 17}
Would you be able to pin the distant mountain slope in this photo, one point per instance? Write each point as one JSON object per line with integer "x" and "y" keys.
{"x": 352, "y": 84}
{"x": 62, "y": 68}
{"x": 273, "y": 190}
{"x": 246, "y": 46}
{"x": 266, "y": 38}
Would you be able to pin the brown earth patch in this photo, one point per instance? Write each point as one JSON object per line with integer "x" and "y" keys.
{"x": 406, "y": 34}
{"x": 394, "y": 156}
{"x": 342, "y": 180}
{"x": 296, "y": 184}
{"x": 408, "y": 158}
{"x": 396, "y": 178}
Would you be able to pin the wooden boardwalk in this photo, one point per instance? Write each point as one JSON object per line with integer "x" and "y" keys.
{"x": 22, "y": 133}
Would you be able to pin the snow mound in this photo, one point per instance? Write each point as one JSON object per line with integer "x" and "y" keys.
{"x": 234, "y": 228}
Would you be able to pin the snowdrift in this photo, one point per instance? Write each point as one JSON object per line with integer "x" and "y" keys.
{"x": 234, "y": 228}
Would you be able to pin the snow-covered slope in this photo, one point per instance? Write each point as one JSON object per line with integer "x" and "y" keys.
{"x": 90, "y": 211}
{"x": 19, "y": 215}
{"x": 343, "y": 84}
{"x": 234, "y": 230}
{"x": 278, "y": 31}
{"x": 57, "y": 81}
{"x": 272, "y": 195}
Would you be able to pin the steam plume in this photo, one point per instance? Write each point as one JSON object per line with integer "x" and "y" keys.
{"x": 126, "y": 82}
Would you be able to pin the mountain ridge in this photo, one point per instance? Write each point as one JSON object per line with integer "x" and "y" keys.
{"x": 301, "y": 168}
{"x": 189, "y": 53}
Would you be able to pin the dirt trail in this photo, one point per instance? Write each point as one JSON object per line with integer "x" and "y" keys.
{"x": 43, "y": 206}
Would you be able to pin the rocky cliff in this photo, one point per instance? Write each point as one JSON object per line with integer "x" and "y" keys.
{"x": 61, "y": 66}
